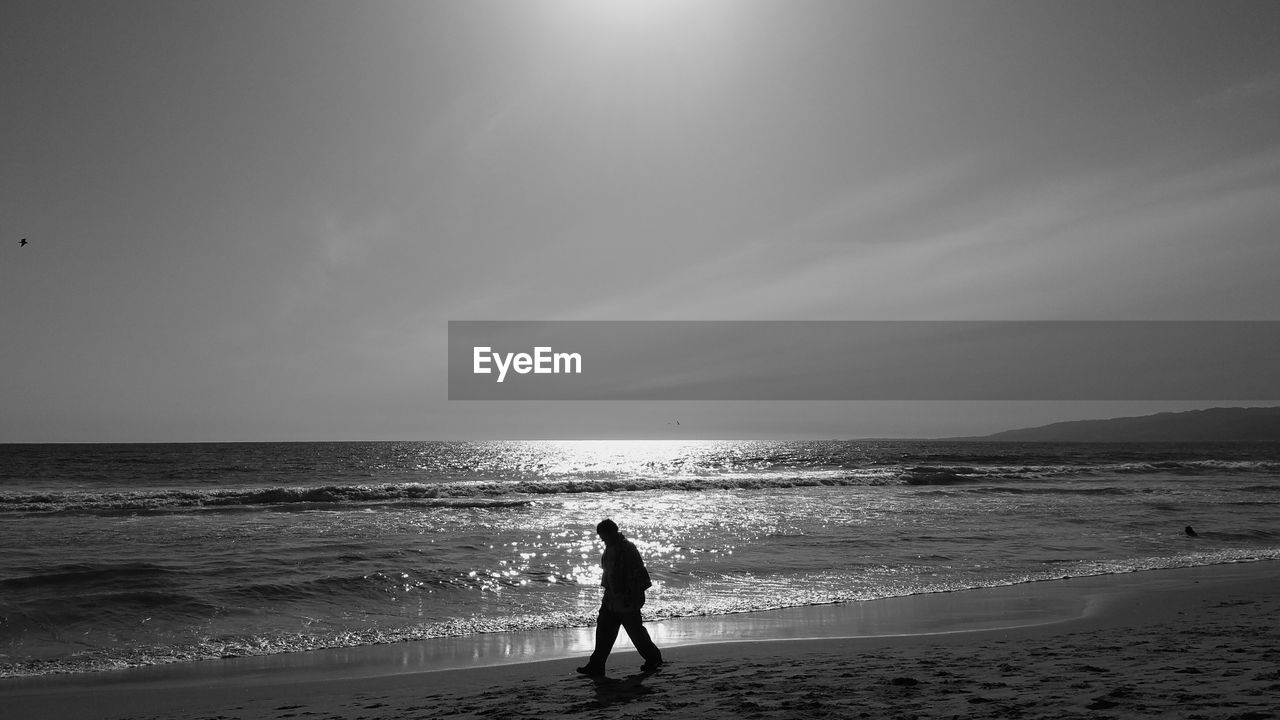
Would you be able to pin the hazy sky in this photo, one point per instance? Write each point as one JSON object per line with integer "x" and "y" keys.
{"x": 253, "y": 220}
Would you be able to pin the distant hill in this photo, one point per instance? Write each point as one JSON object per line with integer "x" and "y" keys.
{"x": 1254, "y": 424}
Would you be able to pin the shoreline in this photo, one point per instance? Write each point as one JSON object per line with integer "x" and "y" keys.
{"x": 454, "y": 670}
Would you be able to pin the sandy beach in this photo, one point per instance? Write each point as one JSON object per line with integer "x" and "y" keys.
{"x": 1193, "y": 643}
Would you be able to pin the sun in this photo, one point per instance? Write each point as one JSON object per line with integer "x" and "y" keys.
{"x": 627, "y": 15}
{"x": 633, "y": 21}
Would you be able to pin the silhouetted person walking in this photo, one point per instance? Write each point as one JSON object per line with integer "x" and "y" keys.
{"x": 624, "y": 580}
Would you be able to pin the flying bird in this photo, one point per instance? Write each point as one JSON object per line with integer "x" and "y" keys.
{"x": 22, "y": 242}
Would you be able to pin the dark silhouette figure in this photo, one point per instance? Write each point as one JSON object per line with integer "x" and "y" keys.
{"x": 22, "y": 242}
{"x": 1190, "y": 531}
{"x": 624, "y": 580}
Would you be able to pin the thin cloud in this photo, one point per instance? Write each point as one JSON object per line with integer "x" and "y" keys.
{"x": 1255, "y": 89}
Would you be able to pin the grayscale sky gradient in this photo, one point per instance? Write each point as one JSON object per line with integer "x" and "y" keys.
{"x": 253, "y": 220}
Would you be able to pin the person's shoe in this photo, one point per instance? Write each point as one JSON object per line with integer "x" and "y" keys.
{"x": 590, "y": 671}
{"x": 651, "y": 665}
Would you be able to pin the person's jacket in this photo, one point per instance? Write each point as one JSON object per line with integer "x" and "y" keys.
{"x": 624, "y": 577}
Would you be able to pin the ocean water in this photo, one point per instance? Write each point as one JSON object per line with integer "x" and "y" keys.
{"x": 132, "y": 555}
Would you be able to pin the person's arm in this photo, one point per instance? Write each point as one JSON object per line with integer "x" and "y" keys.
{"x": 629, "y": 581}
{"x": 637, "y": 575}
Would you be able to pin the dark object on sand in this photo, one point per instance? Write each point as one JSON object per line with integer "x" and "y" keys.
{"x": 22, "y": 242}
{"x": 1191, "y": 532}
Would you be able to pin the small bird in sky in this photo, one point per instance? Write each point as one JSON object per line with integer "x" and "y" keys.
{"x": 22, "y": 242}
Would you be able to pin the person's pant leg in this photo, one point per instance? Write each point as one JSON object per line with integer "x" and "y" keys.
{"x": 607, "y": 625}
{"x": 635, "y": 628}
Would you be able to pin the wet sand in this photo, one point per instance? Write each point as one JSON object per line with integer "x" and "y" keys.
{"x": 1195, "y": 643}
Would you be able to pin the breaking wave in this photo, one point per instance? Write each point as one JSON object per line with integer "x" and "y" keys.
{"x": 499, "y": 493}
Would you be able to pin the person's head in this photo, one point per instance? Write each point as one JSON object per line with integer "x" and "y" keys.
{"x": 607, "y": 530}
